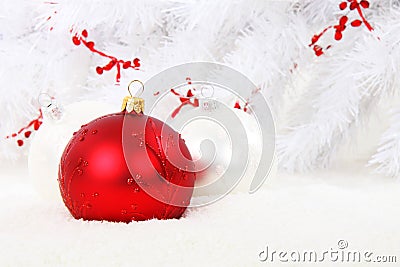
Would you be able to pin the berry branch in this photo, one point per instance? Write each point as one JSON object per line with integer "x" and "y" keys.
{"x": 351, "y": 5}
{"x": 35, "y": 124}
{"x": 114, "y": 62}
{"x": 185, "y": 100}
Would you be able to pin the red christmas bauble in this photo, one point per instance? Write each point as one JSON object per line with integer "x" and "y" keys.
{"x": 124, "y": 167}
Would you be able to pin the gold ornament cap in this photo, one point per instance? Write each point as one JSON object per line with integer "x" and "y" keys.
{"x": 133, "y": 103}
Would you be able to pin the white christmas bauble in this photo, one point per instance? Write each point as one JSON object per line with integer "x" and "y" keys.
{"x": 49, "y": 143}
{"x": 197, "y": 131}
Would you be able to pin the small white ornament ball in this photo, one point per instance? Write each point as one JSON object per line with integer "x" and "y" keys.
{"x": 49, "y": 143}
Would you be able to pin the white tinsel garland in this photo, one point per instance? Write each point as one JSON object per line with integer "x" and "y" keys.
{"x": 347, "y": 86}
{"x": 387, "y": 157}
{"x": 317, "y": 100}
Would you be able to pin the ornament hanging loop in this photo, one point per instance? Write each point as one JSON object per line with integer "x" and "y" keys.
{"x": 207, "y": 91}
{"x": 45, "y": 100}
{"x": 50, "y": 106}
{"x": 141, "y": 88}
{"x": 134, "y": 103}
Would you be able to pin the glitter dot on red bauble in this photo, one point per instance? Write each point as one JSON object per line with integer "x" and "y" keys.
{"x": 112, "y": 166}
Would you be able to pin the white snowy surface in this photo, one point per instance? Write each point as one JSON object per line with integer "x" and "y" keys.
{"x": 290, "y": 212}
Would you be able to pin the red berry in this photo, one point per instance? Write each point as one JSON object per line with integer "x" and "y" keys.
{"x": 356, "y": 23}
{"x": 90, "y": 45}
{"x": 136, "y": 62}
{"x": 36, "y": 125}
{"x": 314, "y": 39}
{"x": 338, "y": 35}
{"x": 27, "y": 134}
{"x": 76, "y": 40}
{"x": 189, "y": 93}
{"x": 14, "y": 135}
{"x": 20, "y": 142}
{"x": 353, "y": 5}
{"x": 85, "y": 33}
{"x": 340, "y": 28}
{"x": 99, "y": 70}
{"x": 237, "y": 105}
{"x": 364, "y": 4}
{"x": 126, "y": 64}
{"x": 318, "y": 50}
{"x": 343, "y": 20}
{"x": 343, "y": 5}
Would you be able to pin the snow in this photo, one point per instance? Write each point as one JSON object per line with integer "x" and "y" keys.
{"x": 290, "y": 212}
